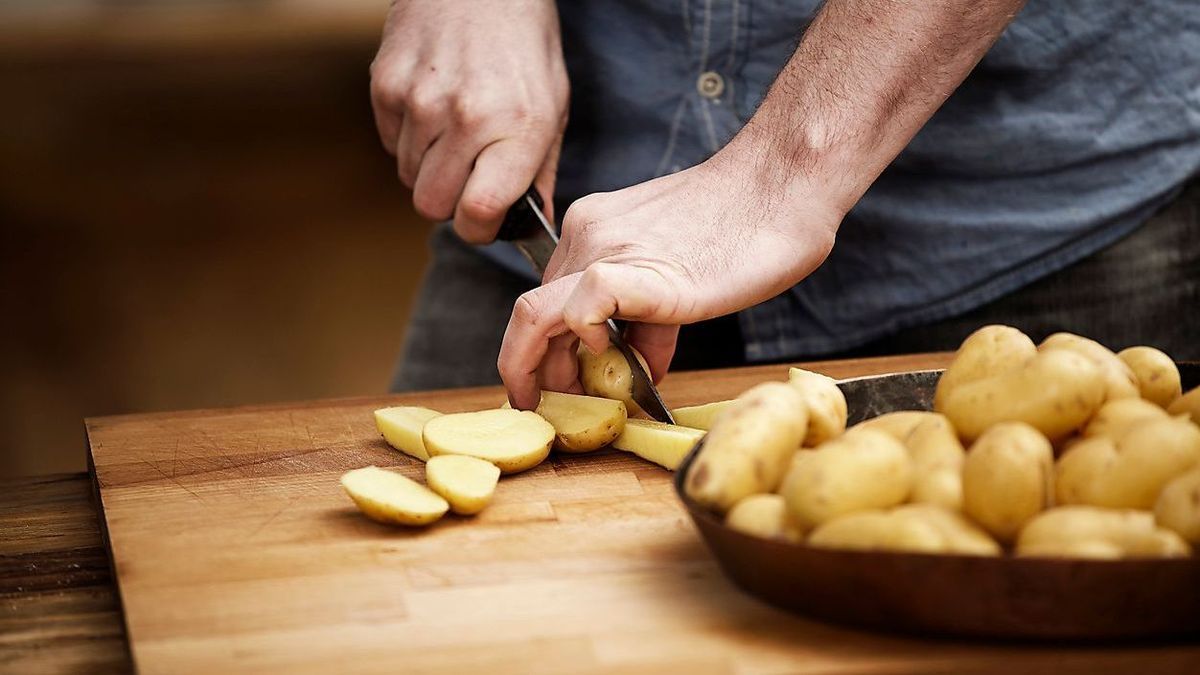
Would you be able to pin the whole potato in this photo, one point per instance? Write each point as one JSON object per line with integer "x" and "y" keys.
{"x": 987, "y": 352}
{"x": 916, "y": 528}
{"x": 1116, "y": 417}
{"x": 1187, "y": 404}
{"x": 937, "y": 457}
{"x": 749, "y": 446}
{"x": 1055, "y": 392}
{"x": 1130, "y": 471}
{"x": 766, "y": 516}
{"x": 898, "y": 424}
{"x": 959, "y": 534}
{"x": 608, "y": 375}
{"x": 1119, "y": 381}
{"x": 1178, "y": 506}
{"x": 861, "y": 470}
{"x": 826, "y": 405}
{"x": 1089, "y": 531}
{"x": 1007, "y": 478}
{"x": 1156, "y": 374}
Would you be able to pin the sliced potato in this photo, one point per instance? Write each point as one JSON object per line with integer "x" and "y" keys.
{"x": 390, "y": 498}
{"x": 1089, "y": 531}
{"x": 1119, "y": 381}
{"x": 664, "y": 444}
{"x": 1187, "y": 404}
{"x": 1116, "y": 417}
{"x": 700, "y": 416}
{"x": 1178, "y": 506}
{"x": 766, "y": 516}
{"x": 987, "y": 352}
{"x": 466, "y": 482}
{"x": 401, "y": 427}
{"x": 514, "y": 440}
{"x": 607, "y": 375}
{"x": 1007, "y": 478}
{"x": 1156, "y": 374}
{"x": 582, "y": 423}
{"x": 826, "y": 405}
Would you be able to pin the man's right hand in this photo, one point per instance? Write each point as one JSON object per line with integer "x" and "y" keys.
{"x": 471, "y": 98}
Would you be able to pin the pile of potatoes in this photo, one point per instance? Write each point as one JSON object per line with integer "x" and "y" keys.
{"x": 1062, "y": 449}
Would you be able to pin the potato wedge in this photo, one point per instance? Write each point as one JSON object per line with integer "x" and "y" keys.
{"x": 1187, "y": 404}
{"x": 1008, "y": 478}
{"x": 513, "y": 440}
{"x": 766, "y": 516}
{"x": 1119, "y": 381}
{"x": 401, "y": 427}
{"x": 664, "y": 444}
{"x": 1156, "y": 374}
{"x": 607, "y": 375}
{"x": 388, "y": 497}
{"x": 582, "y": 423}
{"x": 466, "y": 482}
{"x": 749, "y": 447}
{"x": 1178, "y": 506}
{"x": 987, "y": 352}
{"x": 700, "y": 416}
{"x": 1089, "y": 531}
{"x": 826, "y": 405}
{"x": 1116, "y": 417}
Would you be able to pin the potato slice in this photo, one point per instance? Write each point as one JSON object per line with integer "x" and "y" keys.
{"x": 700, "y": 416}
{"x": 401, "y": 427}
{"x": 664, "y": 444}
{"x": 390, "y": 498}
{"x": 582, "y": 423}
{"x": 765, "y": 516}
{"x": 466, "y": 482}
{"x": 514, "y": 440}
{"x": 1157, "y": 375}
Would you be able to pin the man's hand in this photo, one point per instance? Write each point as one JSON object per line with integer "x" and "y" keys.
{"x": 762, "y": 213}
{"x": 471, "y": 98}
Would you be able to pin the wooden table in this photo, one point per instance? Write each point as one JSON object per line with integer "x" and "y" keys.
{"x": 586, "y": 564}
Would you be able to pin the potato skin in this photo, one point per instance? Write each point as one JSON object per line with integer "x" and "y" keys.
{"x": 565, "y": 412}
{"x": 1056, "y": 392}
{"x": 826, "y": 405}
{"x": 1187, "y": 404}
{"x": 765, "y": 516}
{"x": 1119, "y": 381}
{"x": 859, "y": 470}
{"x": 987, "y": 352}
{"x": 607, "y": 375}
{"x": 1093, "y": 532}
{"x": 916, "y": 528}
{"x": 1116, "y": 417}
{"x": 1178, "y": 506}
{"x": 1156, "y": 374}
{"x": 898, "y": 424}
{"x": 938, "y": 458}
{"x": 1007, "y": 478}
{"x": 1130, "y": 471}
{"x": 749, "y": 446}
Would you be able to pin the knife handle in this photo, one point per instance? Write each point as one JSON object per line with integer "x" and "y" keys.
{"x": 519, "y": 222}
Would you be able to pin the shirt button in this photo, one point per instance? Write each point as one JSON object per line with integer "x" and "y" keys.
{"x": 710, "y": 84}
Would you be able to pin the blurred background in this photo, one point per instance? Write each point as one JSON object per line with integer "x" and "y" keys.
{"x": 194, "y": 211}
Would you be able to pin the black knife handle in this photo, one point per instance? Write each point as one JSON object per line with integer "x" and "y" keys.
{"x": 519, "y": 222}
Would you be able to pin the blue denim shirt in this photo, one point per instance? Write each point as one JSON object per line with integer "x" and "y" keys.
{"x": 1081, "y": 121}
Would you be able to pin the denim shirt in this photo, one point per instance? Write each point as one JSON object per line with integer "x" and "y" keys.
{"x": 1081, "y": 121}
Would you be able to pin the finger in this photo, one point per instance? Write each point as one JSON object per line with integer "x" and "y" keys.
{"x": 502, "y": 173}
{"x": 560, "y": 366}
{"x": 656, "y": 342}
{"x": 537, "y": 317}
{"x": 387, "y": 124}
{"x": 546, "y": 178}
{"x": 442, "y": 174}
{"x": 613, "y": 290}
{"x": 413, "y": 142}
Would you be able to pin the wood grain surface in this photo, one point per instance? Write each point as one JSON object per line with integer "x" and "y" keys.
{"x": 236, "y": 551}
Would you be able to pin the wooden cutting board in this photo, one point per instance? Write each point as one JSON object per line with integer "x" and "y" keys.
{"x": 236, "y": 550}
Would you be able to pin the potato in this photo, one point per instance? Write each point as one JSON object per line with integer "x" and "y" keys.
{"x": 1116, "y": 417}
{"x": 987, "y": 352}
{"x": 960, "y": 535}
{"x": 898, "y": 424}
{"x": 1007, "y": 478}
{"x": 1119, "y": 381}
{"x": 826, "y": 405}
{"x": 700, "y": 416}
{"x": 1056, "y": 392}
{"x": 937, "y": 457}
{"x": 582, "y": 423}
{"x": 393, "y": 499}
{"x": 1178, "y": 506}
{"x": 1156, "y": 374}
{"x": 1130, "y": 471}
{"x": 1187, "y": 404}
{"x": 607, "y": 375}
{"x": 749, "y": 447}
{"x": 401, "y": 428}
{"x": 513, "y": 440}
{"x": 859, "y": 470}
{"x": 766, "y": 516}
{"x": 1089, "y": 531}
{"x": 916, "y": 528}
{"x": 664, "y": 444}
{"x": 467, "y": 483}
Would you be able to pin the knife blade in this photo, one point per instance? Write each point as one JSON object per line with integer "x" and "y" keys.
{"x": 526, "y": 226}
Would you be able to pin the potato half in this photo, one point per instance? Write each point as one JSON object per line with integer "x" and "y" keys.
{"x": 664, "y": 444}
{"x": 393, "y": 499}
{"x": 582, "y": 423}
{"x": 513, "y": 440}
{"x": 466, "y": 482}
{"x": 700, "y": 416}
{"x": 1156, "y": 374}
{"x": 401, "y": 427}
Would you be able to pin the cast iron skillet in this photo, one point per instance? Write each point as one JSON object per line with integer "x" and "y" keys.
{"x": 1005, "y": 597}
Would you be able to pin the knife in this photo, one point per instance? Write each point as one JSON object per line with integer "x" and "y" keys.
{"x": 525, "y": 225}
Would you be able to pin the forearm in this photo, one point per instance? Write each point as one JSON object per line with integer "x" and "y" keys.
{"x": 864, "y": 79}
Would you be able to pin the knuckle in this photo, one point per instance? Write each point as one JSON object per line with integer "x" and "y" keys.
{"x": 424, "y": 101}
{"x": 468, "y": 112}
{"x": 525, "y": 311}
{"x": 430, "y": 204}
